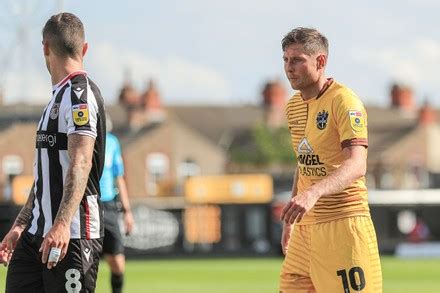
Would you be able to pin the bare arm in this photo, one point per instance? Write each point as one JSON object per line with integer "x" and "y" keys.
{"x": 295, "y": 183}
{"x": 287, "y": 227}
{"x": 25, "y": 214}
{"x": 9, "y": 242}
{"x": 80, "y": 148}
{"x": 123, "y": 196}
{"x": 352, "y": 168}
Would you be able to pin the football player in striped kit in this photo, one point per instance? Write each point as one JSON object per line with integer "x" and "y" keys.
{"x": 56, "y": 240}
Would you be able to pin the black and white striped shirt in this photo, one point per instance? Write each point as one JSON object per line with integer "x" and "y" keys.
{"x": 76, "y": 107}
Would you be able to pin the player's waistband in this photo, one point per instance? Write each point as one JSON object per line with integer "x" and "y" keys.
{"x": 314, "y": 219}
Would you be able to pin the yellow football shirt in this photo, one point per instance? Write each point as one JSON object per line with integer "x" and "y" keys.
{"x": 320, "y": 128}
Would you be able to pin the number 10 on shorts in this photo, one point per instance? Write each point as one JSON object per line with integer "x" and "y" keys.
{"x": 356, "y": 277}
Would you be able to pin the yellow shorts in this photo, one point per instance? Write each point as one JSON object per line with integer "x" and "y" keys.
{"x": 332, "y": 257}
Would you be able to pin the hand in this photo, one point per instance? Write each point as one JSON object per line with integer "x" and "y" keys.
{"x": 9, "y": 243}
{"x": 298, "y": 206}
{"x": 285, "y": 236}
{"x": 128, "y": 222}
{"x": 57, "y": 237}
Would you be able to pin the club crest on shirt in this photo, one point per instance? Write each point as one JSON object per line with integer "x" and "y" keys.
{"x": 54, "y": 111}
{"x": 357, "y": 120}
{"x": 321, "y": 119}
{"x": 80, "y": 114}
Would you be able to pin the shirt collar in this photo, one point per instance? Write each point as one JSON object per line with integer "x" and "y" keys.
{"x": 67, "y": 78}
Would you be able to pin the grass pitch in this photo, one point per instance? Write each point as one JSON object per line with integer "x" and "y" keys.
{"x": 250, "y": 276}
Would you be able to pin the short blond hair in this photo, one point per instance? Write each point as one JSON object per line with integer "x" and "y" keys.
{"x": 311, "y": 39}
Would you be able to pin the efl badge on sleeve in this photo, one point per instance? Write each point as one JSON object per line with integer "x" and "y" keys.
{"x": 80, "y": 114}
{"x": 321, "y": 119}
{"x": 357, "y": 120}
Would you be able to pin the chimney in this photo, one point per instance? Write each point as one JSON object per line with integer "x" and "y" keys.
{"x": 274, "y": 95}
{"x": 427, "y": 115}
{"x": 402, "y": 97}
{"x": 274, "y": 100}
{"x": 152, "y": 105}
{"x": 129, "y": 97}
{"x": 151, "y": 97}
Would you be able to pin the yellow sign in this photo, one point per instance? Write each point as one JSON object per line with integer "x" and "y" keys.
{"x": 80, "y": 114}
{"x": 202, "y": 224}
{"x": 228, "y": 189}
{"x": 21, "y": 186}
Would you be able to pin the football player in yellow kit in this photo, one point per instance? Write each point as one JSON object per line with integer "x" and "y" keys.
{"x": 328, "y": 236}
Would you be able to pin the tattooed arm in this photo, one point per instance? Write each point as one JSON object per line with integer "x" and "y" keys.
{"x": 80, "y": 152}
{"x": 80, "y": 148}
{"x": 21, "y": 222}
{"x": 25, "y": 214}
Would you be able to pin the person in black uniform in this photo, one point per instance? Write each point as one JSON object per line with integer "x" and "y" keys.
{"x": 56, "y": 240}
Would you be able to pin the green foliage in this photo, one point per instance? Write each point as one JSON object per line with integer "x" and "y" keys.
{"x": 264, "y": 146}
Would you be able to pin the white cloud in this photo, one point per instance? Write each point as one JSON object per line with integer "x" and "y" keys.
{"x": 213, "y": 51}
{"x": 180, "y": 80}
{"x": 29, "y": 86}
{"x": 414, "y": 62}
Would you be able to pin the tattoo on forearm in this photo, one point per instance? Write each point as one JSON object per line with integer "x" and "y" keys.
{"x": 80, "y": 152}
{"x": 25, "y": 214}
{"x": 76, "y": 182}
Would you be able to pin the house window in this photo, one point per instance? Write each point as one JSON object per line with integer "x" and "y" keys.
{"x": 387, "y": 180}
{"x": 12, "y": 165}
{"x": 185, "y": 170}
{"x": 371, "y": 181}
{"x": 157, "y": 165}
{"x": 188, "y": 168}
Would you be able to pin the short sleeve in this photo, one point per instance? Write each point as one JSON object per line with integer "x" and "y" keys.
{"x": 118, "y": 164}
{"x": 81, "y": 117}
{"x": 351, "y": 121}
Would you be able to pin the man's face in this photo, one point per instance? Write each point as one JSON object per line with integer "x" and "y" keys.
{"x": 301, "y": 69}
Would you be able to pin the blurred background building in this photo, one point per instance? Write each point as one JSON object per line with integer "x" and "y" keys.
{"x": 165, "y": 146}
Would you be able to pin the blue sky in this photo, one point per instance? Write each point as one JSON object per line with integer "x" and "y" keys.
{"x": 221, "y": 52}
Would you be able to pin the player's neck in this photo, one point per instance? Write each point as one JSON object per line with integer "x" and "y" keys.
{"x": 313, "y": 90}
{"x": 63, "y": 67}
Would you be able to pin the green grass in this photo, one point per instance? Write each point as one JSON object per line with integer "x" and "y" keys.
{"x": 411, "y": 275}
{"x": 250, "y": 276}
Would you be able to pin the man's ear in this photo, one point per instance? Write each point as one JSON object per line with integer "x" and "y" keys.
{"x": 46, "y": 49}
{"x": 321, "y": 61}
{"x": 84, "y": 49}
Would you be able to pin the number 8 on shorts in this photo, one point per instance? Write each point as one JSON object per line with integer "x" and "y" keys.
{"x": 73, "y": 285}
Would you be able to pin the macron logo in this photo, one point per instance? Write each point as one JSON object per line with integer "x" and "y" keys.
{"x": 87, "y": 253}
{"x": 78, "y": 92}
